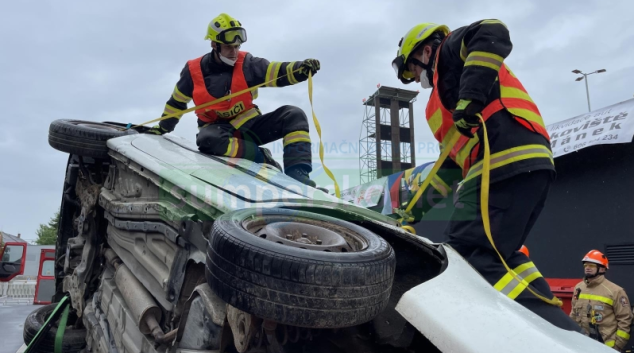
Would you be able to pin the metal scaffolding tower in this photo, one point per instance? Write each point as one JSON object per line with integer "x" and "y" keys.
{"x": 387, "y": 136}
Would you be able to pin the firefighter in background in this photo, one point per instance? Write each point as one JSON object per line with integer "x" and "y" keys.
{"x": 600, "y": 307}
{"x": 465, "y": 69}
{"x": 236, "y": 128}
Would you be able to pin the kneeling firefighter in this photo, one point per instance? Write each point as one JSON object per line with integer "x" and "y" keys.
{"x": 466, "y": 71}
{"x": 236, "y": 128}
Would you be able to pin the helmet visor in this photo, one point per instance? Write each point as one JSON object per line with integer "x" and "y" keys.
{"x": 233, "y": 35}
{"x": 401, "y": 71}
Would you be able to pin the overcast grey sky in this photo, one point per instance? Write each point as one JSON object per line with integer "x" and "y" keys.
{"x": 119, "y": 60}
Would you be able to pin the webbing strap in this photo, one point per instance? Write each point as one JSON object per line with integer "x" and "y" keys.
{"x": 250, "y": 89}
{"x": 321, "y": 145}
{"x": 484, "y": 206}
{"x": 221, "y": 99}
{"x": 452, "y": 137}
{"x": 484, "y": 199}
{"x": 59, "y": 337}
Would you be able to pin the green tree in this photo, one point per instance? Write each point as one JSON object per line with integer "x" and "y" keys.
{"x": 47, "y": 233}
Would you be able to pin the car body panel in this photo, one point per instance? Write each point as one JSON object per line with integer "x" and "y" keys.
{"x": 223, "y": 182}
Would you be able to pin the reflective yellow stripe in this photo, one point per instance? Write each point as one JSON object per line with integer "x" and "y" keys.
{"x": 482, "y": 63}
{"x": 512, "y": 92}
{"x": 239, "y": 120}
{"x": 507, "y": 278}
{"x": 272, "y": 73}
{"x": 440, "y": 185}
{"x": 464, "y": 152}
{"x": 463, "y": 51}
{"x": 254, "y": 94}
{"x": 520, "y": 287}
{"x": 511, "y": 155}
{"x": 482, "y": 58}
{"x": 289, "y": 73}
{"x": 510, "y": 287}
{"x": 609, "y": 343}
{"x": 232, "y": 149}
{"x": 492, "y": 22}
{"x": 179, "y": 96}
{"x": 597, "y": 298}
{"x": 296, "y": 136}
{"x": 623, "y": 334}
{"x": 171, "y": 110}
{"x": 528, "y": 115}
{"x": 435, "y": 122}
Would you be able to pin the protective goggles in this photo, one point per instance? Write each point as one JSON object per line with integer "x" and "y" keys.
{"x": 402, "y": 73}
{"x": 233, "y": 35}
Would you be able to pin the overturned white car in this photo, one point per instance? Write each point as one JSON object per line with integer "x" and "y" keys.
{"x": 164, "y": 249}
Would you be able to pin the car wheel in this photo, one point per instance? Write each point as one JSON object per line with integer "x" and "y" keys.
{"x": 74, "y": 339}
{"x": 83, "y": 138}
{"x": 299, "y": 268}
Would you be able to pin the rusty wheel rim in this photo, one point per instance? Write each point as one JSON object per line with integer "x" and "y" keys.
{"x": 307, "y": 234}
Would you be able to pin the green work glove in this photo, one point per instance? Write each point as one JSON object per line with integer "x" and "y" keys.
{"x": 309, "y": 65}
{"x": 158, "y": 130}
{"x": 465, "y": 118}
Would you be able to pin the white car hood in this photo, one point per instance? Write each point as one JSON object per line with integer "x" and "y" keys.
{"x": 459, "y": 311}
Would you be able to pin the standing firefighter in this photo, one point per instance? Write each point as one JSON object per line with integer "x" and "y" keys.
{"x": 599, "y": 306}
{"x": 466, "y": 70}
{"x": 236, "y": 128}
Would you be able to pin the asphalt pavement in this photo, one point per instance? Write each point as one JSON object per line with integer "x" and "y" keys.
{"x": 12, "y": 317}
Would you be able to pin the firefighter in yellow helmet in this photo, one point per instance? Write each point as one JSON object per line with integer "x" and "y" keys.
{"x": 465, "y": 69}
{"x": 237, "y": 128}
{"x": 600, "y": 307}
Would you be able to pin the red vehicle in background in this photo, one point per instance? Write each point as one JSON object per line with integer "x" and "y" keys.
{"x": 12, "y": 260}
{"x": 45, "y": 287}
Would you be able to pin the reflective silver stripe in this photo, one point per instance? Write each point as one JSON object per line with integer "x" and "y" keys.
{"x": 495, "y": 62}
{"x": 272, "y": 73}
{"x": 510, "y": 287}
{"x": 239, "y": 120}
{"x": 515, "y": 284}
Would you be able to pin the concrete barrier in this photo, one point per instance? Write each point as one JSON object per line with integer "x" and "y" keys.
{"x": 17, "y": 291}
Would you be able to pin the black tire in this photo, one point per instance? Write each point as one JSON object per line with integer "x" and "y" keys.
{"x": 83, "y": 138}
{"x": 294, "y": 286}
{"x": 74, "y": 339}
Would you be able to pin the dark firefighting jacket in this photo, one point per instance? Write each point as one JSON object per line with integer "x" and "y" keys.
{"x": 469, "y": 67}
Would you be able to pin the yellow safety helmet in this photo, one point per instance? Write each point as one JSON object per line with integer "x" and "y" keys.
{"x": 226, "y": 29}
{"x": 409, "y": 43}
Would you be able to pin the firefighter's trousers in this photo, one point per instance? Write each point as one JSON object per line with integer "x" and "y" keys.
{"x": 288, "y": 123}
{"x": 514, "y": 205}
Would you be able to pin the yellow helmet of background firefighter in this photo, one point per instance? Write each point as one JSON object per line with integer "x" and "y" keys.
{"x": 226, "y": 29}
{"x": 409, "y": 43}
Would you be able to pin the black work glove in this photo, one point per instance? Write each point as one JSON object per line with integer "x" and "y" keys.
{"x": 465, "y": 118}
{"x": 309, "y": 65}
{"x": 158, "y": 130}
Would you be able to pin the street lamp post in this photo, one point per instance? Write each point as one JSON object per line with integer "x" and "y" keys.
{"x": 586, "y": 77}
